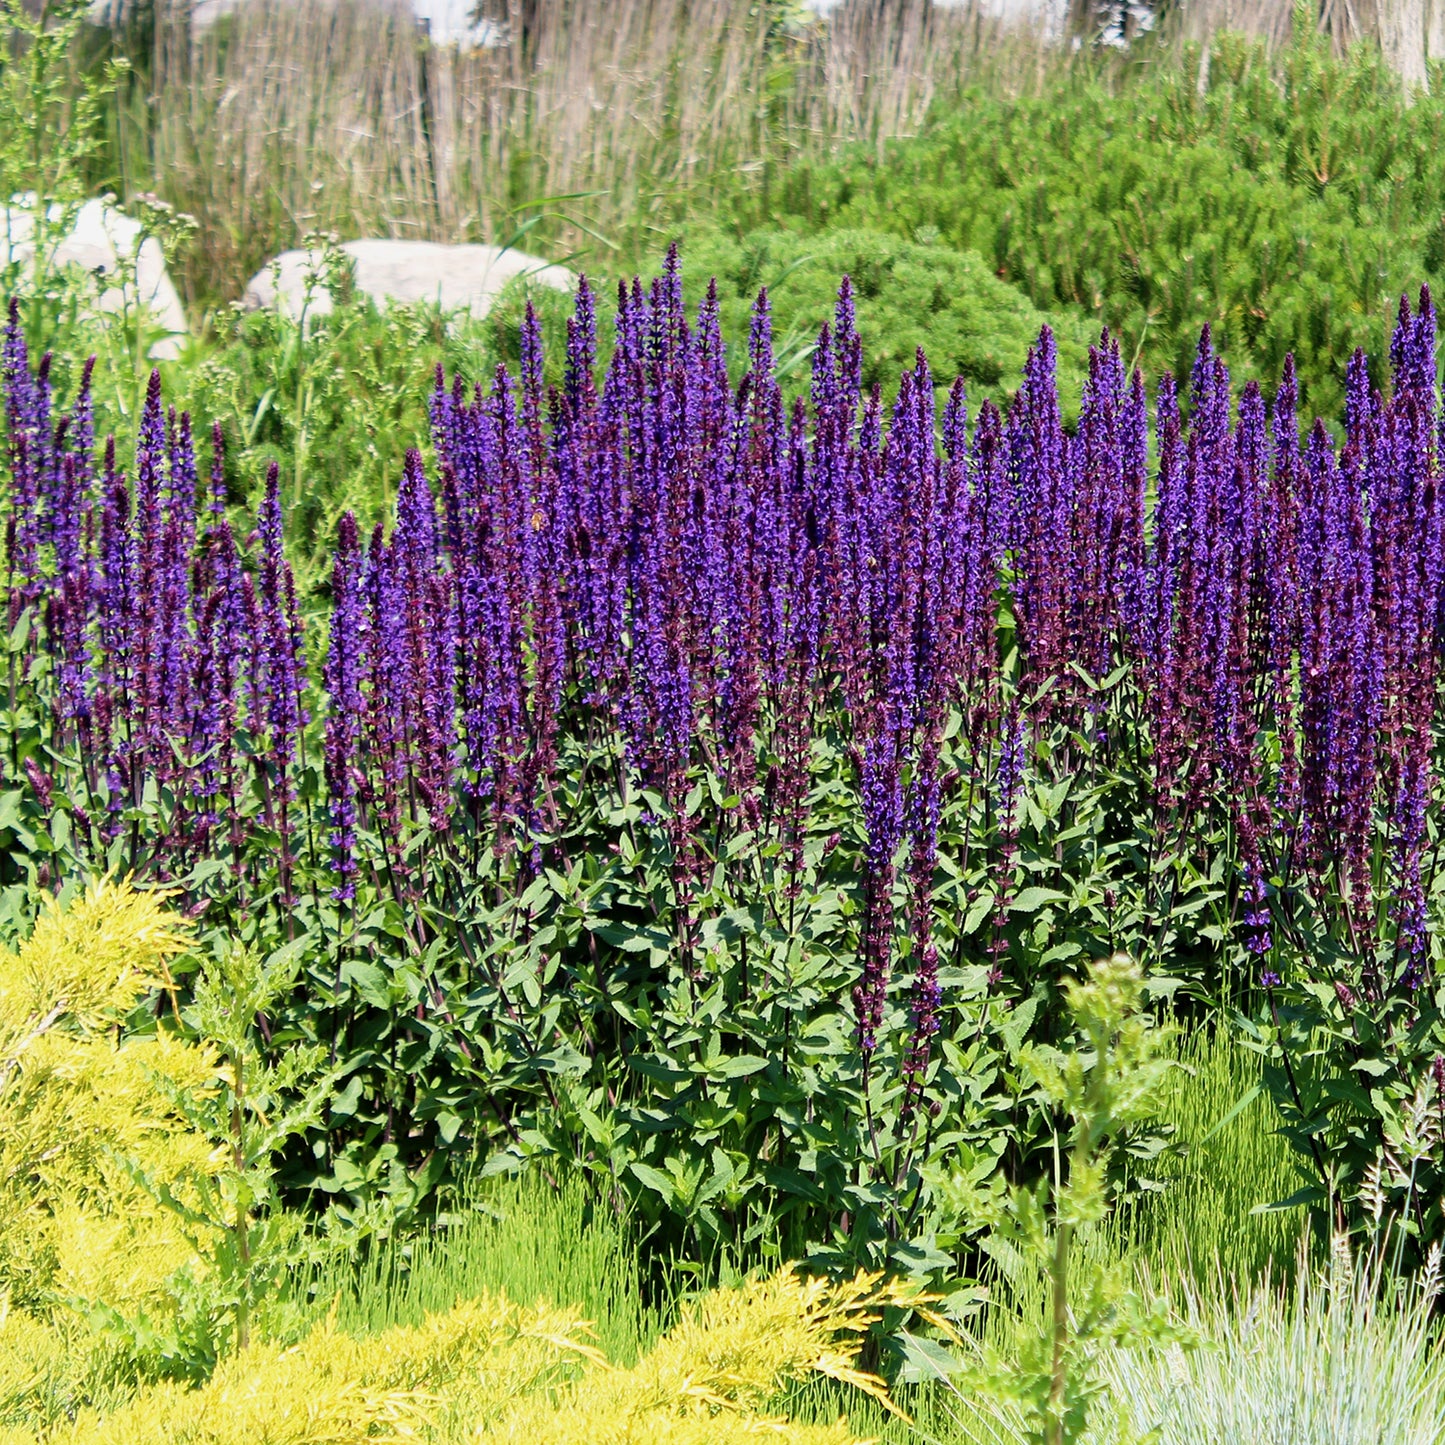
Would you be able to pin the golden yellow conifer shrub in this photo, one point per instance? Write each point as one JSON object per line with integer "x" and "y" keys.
{"x": 711, "y": 1379}
{"x": 490, "y": 1372}
{"x": 78, "y": 1100}
{"x": 332, "y": 1389}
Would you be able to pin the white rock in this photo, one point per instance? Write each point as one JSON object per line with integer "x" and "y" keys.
{"x": 100, "y": 240}
{"x": 466, "y": 278}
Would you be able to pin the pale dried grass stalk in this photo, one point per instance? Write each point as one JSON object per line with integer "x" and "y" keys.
{"x": 302, "y": 114}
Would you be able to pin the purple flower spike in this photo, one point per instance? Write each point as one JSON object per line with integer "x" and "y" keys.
{"x": 342, "y": 679}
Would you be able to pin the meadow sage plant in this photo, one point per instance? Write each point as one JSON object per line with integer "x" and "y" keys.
{"x": 715, "y": 792}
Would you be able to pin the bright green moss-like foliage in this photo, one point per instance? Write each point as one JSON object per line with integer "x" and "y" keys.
{"x": 909, "y": 295}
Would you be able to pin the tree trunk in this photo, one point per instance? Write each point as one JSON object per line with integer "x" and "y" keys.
{"x": 1435, "y": 31}
{"x": 1403, "y": 26}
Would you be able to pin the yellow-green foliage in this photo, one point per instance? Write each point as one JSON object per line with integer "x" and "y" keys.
{"x": 332, "y": 1389}
{"x": 82, "y": 1109}
{"x": 50, "y": 1370}
{"x": 710, "y": 1380}
{"x": 76, "y": 1100}
{"x": 490, "y": 1373}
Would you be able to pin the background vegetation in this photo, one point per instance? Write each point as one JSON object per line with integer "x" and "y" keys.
{"x": 1286, "y": 197}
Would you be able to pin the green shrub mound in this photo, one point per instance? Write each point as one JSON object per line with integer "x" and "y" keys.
{"x": 909, "y": 293}
{"x": 1287, "y": 203}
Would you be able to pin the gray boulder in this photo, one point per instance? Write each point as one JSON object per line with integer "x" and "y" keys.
{"x": 457, "y": 278}
{"x": 102, "y": 241}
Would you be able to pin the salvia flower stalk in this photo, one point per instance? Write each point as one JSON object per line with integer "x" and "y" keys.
{"x": 662, "y": 612}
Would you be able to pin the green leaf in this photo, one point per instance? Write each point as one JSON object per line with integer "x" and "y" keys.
{"x": 1375, "y": 1068}
{"x": 740, "y": 1066}
{"x": 655, "y": 1180}
{"x": 10, "y": 807}
{"x": 979, "y": 909}
{"x": 343, "y": 1105}
{"x": 368, "y": 980}
{"x": 633, "y": 940}
{"x": 1312, "y": 1195}
{"x": 1017, "y": 1024}
{"x": 923, "y": 1359}
{"x": 1240, "y": 1106}
{"x": 1032, "y": 899}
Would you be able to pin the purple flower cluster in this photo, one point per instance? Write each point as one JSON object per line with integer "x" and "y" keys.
{"x": 162, "y": 652}
{"x": 709, "y": 582}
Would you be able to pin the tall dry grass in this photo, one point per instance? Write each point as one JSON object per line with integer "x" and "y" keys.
{"x": 591, "y": 129}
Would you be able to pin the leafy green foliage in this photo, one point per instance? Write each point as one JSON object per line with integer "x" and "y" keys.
{"x": 51, "y": 106}
{"x": 231, "y": 1212}
{"x": 547, "y": 1014}
{"x": 333, "y": 395}
{"x": 1361, "y": 1095}
{"x": 909, "y": 295}
{"x": 1287, "y": 205}
{"x": 1108, "y": 1083}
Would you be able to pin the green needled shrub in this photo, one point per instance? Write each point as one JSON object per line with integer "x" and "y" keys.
{"x": 909, "y": 294}
{"x": 1287, "y": 204}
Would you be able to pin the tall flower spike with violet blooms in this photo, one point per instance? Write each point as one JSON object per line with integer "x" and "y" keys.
{"x": 281, "y": 668}
{"x": 342, "y": 679}
{"x": 24, "y": 452}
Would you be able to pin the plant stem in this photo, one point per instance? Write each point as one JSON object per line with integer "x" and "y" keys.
{"x": 1058, "y": 1371}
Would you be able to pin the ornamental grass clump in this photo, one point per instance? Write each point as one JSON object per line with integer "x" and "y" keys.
{"x": 1347, "y": 1355}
